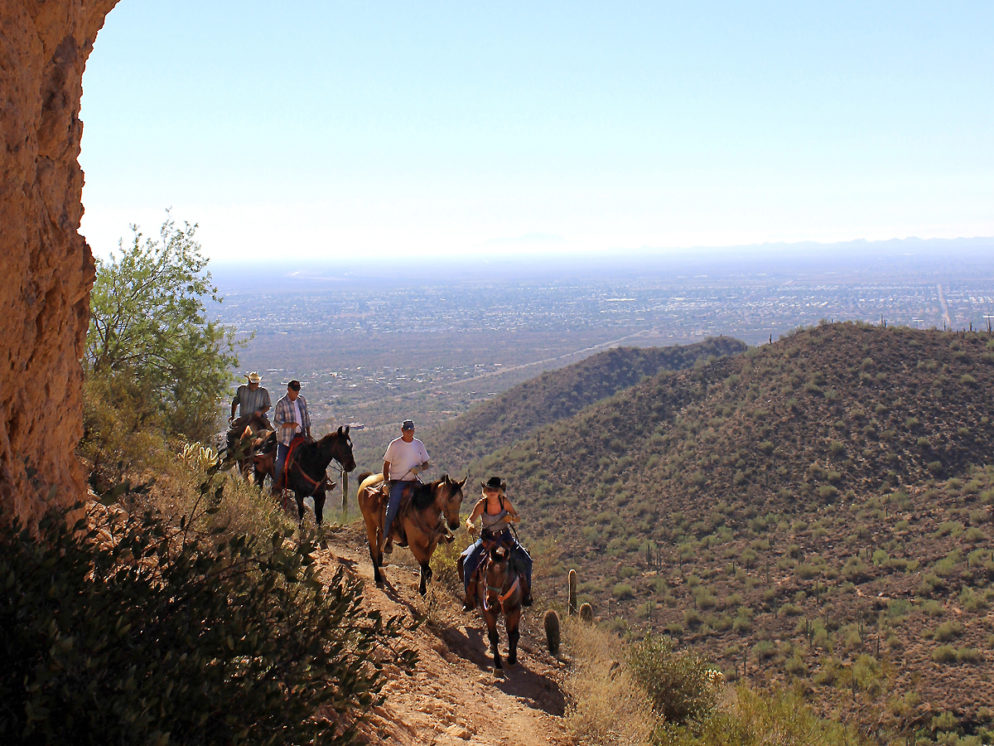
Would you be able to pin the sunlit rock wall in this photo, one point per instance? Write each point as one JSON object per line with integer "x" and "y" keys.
{"x": 47, "y": 268}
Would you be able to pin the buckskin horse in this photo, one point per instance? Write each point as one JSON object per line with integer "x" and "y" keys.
{"x": 304, "y": 471}
{"x": 499, "y": 592}
{"x": 421, "y": 521}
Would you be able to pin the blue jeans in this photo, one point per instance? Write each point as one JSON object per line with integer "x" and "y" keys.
{"x": 396, "y": 492}
{"x": 281, "y": 452}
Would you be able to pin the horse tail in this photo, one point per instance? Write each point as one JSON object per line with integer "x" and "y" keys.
{"x": 362, "y": 477}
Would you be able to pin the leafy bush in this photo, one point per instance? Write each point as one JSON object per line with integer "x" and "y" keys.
{"x": 759, "y": 719}
{"x": 121, "y": 629}
{"x": 151, "y": 336}
{"x": 678, "y": 684}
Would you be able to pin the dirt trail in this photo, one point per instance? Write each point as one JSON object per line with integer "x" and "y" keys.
{"x": 454, "y": 695}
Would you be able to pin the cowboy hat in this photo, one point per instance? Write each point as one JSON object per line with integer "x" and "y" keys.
{"x": 494, "y": 483}
{"x": 254, "y": 377}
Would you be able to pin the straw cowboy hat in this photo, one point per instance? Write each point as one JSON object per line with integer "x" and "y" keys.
{"x": 254, "y": 377}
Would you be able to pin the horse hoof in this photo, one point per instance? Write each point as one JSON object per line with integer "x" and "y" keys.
{"x": 513, "y": 660}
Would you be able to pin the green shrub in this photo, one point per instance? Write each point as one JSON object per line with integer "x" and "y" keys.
{"x": 125, "y": 630}
{"x": 679, "y": 684}
{"x": 759, "y": 719}
{"x": 944, "y": 654}
{"x": 947, "y": 631}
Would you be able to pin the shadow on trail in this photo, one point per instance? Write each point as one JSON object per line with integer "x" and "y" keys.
{"x": 519, "y": 680}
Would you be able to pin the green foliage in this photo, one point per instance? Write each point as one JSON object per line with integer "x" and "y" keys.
{"x": 759, "y": 719}
{"x": 150, "y": 337}
{"x": 678, "y": 683}
{"x": 126, "y": 630}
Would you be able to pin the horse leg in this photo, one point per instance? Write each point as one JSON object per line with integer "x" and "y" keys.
{"x": 425, "y": 577}
{"x": 373, "y": 539}
{"x": 511, "y": 623}
{"x": 300, "y": 509}
{"x": 494, "y": 639}
{"x": 319, "y": 499}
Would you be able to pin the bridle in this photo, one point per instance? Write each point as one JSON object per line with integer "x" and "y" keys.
{"x": 498, "y": 593}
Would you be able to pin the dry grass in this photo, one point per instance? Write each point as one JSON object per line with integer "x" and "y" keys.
{"x": 606, "y": 705}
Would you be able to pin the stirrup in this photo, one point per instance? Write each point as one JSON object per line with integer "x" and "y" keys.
{"x": 388, "y": 546}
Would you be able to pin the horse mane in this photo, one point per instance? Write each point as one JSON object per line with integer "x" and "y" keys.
{"x": 424, "y": 494}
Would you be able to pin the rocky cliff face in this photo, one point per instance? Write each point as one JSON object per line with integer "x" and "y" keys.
{"x": 47, "y": 266}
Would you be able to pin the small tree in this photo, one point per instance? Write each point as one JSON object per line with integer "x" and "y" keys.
{"x": 150, "y": 342}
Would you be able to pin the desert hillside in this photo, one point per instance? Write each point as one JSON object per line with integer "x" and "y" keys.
{"x": 560, "y": 394}
{"x": 816, "y": 510}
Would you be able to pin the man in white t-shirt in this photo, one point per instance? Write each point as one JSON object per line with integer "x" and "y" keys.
{"x": 405, "y": 458}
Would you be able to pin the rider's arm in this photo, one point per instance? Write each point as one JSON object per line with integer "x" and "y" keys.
{"x": 386, "y": 470}
{"x": 512, "y": 513}
{"x": 234, "y": 404}
{"x": 477, "y": 512}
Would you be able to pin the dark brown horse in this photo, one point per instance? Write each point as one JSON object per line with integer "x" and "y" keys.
{"x": 421, "y": 520}
{"x": 304, "y": 471}
{"x": 245, "y": 439}
{"x": 499, "y": 593}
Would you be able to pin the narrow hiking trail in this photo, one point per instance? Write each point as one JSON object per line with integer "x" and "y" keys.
{"x": 454, "y": 695}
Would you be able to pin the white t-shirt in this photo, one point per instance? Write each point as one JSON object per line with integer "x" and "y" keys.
{"x": 403, "y": 456}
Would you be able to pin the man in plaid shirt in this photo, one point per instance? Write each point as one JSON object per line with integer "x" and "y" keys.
{"x": 291, "y": 419}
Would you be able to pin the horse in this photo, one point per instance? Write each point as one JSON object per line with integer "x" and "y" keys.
{"x": 304, "y": 471}
{"x": 499, "y": 592}
{"x": 264, "y": 461}
{"x": 421, "y": 522}
{"x": 245, "y": 439}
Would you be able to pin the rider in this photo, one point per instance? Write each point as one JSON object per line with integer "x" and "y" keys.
{"x": 292, "y": 420}
{"x": 496, "y": 513}
{"x": 404, "y": 459}
{"x": 252, "y": 401}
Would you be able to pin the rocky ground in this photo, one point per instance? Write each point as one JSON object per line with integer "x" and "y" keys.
{"x": 454, "y": 696}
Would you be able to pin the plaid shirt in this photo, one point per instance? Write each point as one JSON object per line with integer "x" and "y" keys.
{"x": 285, "y": 413}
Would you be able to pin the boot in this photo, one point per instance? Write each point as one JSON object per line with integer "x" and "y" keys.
{"x": 469, "y": 603}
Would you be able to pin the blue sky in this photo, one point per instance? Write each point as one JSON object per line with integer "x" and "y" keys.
{"x": 387, "y": 130}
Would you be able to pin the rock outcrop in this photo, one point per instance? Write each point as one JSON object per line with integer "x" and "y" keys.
{"x": 47, "y": 266}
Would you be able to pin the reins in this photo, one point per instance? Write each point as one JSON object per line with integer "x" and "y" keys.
{"x": 501, "y": 597}
{"x": 291, "y": 463}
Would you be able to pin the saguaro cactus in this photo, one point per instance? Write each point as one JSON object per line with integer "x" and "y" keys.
{"x": 551, "y": 623}
{"x": 571, "y": 602}
{"x": 586, "y": 612}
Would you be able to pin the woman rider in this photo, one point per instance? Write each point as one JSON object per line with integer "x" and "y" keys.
{"x": 496, "y": 514}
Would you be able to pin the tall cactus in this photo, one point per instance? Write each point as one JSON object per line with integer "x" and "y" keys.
{"x": 586, "y": 612}
{"x": 571, "y": 602}
{"x": 551, "y": 623}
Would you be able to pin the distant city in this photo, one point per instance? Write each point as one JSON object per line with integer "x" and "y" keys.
{"x": 430, "y": 341}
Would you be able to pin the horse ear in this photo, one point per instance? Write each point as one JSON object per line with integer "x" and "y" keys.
{"x": 463, "y": 481}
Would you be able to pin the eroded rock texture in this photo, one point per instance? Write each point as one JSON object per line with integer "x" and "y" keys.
{"x": 47, "y": 268}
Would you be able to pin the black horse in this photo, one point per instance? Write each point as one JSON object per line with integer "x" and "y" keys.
{"x": 304, "y": 471}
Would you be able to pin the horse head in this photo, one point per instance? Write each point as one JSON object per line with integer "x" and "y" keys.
{"x": 448, "y": 497}
{"x": 338, "y": 446}
{"x": 343, "y": 452}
